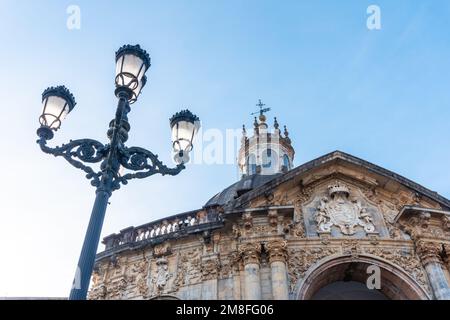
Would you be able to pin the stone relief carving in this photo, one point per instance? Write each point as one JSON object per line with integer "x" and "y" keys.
{"x": 338, "y": 210}
{"x": 406, "y": 261}
{"x": 300, "y": 260}
{"x": 161, "y": 277}
{"x": 371, "y": 194}
{"x": 162, "y": 249}
{"x": 136, "y": 276}
{"x": 298, "y": 227}
{"x": 117, "y": 288}
{"x": 236, "y": 231}
{"x": 230, "y": 264}
{"x": 264, "y": 229}
{"x": 276, "y": 199}
{"x": 98, "y": 293}
{"x": 210, "y": 267}
{"x": 273, "y": 218}
{"x": 248, "y": 220}
{"x": 351, "y": 247}
{"x": 99, "y": 290}
{"x": 188, "y": 269}
{"x": 446, "y": 222}
{"x": 305, "y": 194}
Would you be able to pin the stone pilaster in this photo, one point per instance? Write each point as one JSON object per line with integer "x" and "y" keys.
{"x": 250, "y": 253}
{"x": 210, "y": 268}
{"x": 429, "y": 254}
{"x": 277, "y": 252}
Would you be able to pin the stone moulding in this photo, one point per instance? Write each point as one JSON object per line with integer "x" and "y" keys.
{"x": 300, "y": 288}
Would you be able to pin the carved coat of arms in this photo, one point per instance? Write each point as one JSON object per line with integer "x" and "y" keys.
{"x": 162, "y": 275}
{"x": 338, "y": 210}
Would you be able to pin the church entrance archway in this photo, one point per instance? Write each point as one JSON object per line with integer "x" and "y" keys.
{"x": 345, "y": 278}
{"x": 347, "y": 290}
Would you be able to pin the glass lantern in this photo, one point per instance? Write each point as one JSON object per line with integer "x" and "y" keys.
{"x": 131, "y": 64}
{"x": 184, "y": 126}
{"x": 57, "y": 103}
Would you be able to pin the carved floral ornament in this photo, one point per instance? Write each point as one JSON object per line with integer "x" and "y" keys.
{"x": 338, "y": 210}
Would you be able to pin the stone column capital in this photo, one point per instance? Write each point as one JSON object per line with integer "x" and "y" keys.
{"x": 250, "y": 252}
{"x": 428, "y": 251}
{"x": 277, "y": 250}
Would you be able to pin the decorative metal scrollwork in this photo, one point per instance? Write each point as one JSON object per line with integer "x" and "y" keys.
{"x": 144, "y": 162}
{"x": 85, "y": 150}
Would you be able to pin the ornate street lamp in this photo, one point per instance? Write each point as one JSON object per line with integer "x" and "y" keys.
{"x": 118, "y": 163}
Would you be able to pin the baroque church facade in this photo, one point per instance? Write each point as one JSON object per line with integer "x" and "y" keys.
{"x": 322, "y": 230}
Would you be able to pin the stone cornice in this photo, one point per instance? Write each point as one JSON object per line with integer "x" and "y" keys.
{"x": 416, "y": 209}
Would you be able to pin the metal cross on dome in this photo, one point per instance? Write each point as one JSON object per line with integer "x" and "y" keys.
{"x": 261, "y": 110}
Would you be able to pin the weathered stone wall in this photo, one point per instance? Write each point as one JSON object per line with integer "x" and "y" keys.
{"x": 271, "y": 247}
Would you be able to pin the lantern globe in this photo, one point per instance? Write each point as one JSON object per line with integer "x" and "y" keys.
{"x": 184, "y": 126}
{"x": 131, "y": 64}
{"x": 57, "y": 103}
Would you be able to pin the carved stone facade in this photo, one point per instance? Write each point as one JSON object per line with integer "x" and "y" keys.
{"x": 320, "y": 223}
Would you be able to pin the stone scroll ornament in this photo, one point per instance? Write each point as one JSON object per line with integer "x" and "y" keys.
{"x": 338, "y": 210}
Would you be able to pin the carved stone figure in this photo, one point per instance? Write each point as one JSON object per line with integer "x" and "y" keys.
{"x": 248, "y": 220}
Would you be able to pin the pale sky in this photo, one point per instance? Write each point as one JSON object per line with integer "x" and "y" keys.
{"x": 381, "y": 95}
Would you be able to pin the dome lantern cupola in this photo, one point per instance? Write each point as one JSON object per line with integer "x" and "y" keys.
{"x": 267, "y": 152}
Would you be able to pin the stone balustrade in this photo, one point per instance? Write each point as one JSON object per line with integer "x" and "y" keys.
{"x": 170, "y": 227}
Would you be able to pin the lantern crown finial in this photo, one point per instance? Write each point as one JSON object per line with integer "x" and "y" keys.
{"x": 183, "y": 115}
{"x": 134, "y": 50}
{"x": 62, "y": 92}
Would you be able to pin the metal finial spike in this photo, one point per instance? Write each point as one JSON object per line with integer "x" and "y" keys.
{"x": 255, "y": 123}
{"x": 275, "y": 123}
{"x": 286, "y": 133}
{"x": 261, "y": 110}
{"x": 244, "y": 132}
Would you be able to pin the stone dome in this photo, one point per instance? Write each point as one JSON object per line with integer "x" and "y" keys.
{"x": 237, "y": 189}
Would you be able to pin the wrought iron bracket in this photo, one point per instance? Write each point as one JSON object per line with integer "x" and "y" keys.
{"x": 144, "y": 163}
{"x": 77, "y": 153}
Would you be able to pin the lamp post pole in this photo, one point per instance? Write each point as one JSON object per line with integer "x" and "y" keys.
{"x": 86, "y": 261}
{"x": 58, "y": 102}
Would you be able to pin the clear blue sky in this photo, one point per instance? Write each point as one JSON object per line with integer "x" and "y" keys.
{"x": 380, "y": 95}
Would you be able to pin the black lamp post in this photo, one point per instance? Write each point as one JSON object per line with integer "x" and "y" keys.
{"x": 131, "y": 64}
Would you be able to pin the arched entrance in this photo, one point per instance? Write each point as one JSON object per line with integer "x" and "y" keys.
{"x": 345, "y": 277}
{"x": 347, "y": 290}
